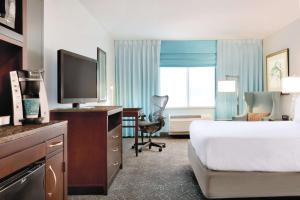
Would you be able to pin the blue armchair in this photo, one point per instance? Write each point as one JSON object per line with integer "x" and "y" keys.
{"x": 261, "y": 102}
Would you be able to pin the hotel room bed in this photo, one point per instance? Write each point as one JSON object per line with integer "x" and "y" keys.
{"x": 246, "y": 159}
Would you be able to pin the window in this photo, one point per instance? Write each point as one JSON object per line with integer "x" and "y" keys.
{"x": 188, "y": 86}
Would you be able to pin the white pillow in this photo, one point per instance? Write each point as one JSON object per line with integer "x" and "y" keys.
{"x": 297, "y": 110}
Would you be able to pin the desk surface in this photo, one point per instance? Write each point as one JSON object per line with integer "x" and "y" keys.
{"x": 131, "y": 109}
{"x": 131, "y": 112}
{"x": 110, "y": 110}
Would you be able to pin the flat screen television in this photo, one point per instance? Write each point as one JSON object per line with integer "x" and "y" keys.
{"x": 78, "y": 78}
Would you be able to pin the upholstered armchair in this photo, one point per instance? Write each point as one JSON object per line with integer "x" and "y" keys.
{"x": 267, "y": 103}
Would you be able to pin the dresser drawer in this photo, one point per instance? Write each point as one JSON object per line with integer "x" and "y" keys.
{"x": 55, "y": 144}
{"x": 21, "y": 159}
{"x": 113, "y": 162}
{"x": 114, "y": 137}
{"x": 114, "y": 152}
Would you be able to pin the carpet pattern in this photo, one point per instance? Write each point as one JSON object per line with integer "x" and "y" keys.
{"x": 153, "y": 175}
{"x": 164, "y": 175}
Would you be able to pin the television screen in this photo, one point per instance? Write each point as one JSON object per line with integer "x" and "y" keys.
{"x": 77, "y": 77}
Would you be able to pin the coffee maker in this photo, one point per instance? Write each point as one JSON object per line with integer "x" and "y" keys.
{"x": 30, "y": 104}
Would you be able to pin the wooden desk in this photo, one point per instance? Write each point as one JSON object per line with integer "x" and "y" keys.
{"x": 133, "y": 113}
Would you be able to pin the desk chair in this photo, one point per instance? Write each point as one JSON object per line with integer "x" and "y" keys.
{"x": 154, "y": 123}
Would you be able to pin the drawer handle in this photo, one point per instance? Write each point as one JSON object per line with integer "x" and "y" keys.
{"x": 116, "y": 149}
{"x": 55, "y": 181}
{"x": 56, "y": 144}
{"x": 116, "y": 163}
{"x": 115, "y": 136}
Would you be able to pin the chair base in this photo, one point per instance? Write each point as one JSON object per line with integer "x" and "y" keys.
{"x": 150, "y": 144}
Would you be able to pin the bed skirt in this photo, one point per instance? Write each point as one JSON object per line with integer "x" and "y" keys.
{"x": 227, "y": 184}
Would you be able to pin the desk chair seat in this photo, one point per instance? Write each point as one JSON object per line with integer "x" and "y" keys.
{"x": 154, "y": 123}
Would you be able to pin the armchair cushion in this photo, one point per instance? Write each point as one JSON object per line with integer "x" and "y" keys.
{"x": 257, "y": 116}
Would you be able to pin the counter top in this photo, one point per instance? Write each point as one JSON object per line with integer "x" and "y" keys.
{"x": 110, "y": 110}
{"x": 9, "y": 133}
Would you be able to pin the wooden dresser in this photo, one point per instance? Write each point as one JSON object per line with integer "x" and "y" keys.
{"x": 21, "y": 146}
{"x": 94, "y": 147}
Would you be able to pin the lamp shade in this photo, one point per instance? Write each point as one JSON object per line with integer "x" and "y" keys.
{"x": 226, "y": 86}
{"x": 290, "y": 85}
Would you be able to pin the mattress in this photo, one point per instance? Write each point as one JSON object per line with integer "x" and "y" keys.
{"x": 247, "y": 146}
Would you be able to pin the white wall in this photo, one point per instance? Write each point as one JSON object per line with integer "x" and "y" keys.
{"x": 287, "y": 37}
{"x": 68, "y": 25}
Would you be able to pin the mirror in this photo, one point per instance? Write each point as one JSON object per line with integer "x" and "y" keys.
{"x": 101, "y": 58}
{"x": 35, "y": 27}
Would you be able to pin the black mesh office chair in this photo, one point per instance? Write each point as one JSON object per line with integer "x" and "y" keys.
{"x": 154, "y": 123}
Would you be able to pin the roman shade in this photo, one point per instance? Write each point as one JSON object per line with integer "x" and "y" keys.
{"x": 191, "y": 53}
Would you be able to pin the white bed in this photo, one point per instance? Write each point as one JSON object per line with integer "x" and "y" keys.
{"x": 247, "y": 146}
{"x": 233, "y": 159}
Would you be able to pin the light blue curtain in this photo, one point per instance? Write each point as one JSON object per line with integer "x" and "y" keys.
{"x": 243, "y": 58}
{"x": 188, "y": 53}
{"x": 137, "y": 74}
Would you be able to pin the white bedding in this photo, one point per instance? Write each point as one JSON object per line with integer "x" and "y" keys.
{"x": 247, "y": 146}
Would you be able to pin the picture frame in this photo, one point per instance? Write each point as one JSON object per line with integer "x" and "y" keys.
{"x": 277, "y": 67}
{"x": 101, "y": 61}
{"x": 8, "y": 11}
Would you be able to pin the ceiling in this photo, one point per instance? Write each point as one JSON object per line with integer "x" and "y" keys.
{"x": 192, "y": 19}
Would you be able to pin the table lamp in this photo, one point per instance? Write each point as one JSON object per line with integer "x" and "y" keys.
{"x": 291, "y": 85}
{"x": 227, "y": 86}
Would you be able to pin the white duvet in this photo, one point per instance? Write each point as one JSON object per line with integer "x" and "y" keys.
{"x": 247, "y": 146}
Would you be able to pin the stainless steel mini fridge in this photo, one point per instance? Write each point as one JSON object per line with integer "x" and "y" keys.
{"x": 27, "y": 184}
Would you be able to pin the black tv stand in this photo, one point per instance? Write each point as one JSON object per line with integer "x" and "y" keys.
{"x": 76, "y": 105}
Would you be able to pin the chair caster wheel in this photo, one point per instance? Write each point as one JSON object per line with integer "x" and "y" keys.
{"x": 132, "y": 147}
{"x": 140, "y": 150}
{"x": 164, "y": 146}
{"x": 160, "y": 149}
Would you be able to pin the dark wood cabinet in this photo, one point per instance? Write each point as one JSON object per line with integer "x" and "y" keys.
{"x": 21, "y": 146}
{"x": 94, "y": 147}
{"x": 13, "y": 54}
{"x": 54, "y": 173}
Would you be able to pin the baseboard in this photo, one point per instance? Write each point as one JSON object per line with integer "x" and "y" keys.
{"x": 86, "y": 191}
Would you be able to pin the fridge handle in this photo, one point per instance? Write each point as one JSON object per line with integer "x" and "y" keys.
{"x": 55, "y": 181}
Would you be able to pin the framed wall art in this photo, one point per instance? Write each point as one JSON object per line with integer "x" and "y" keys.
{"x": 277, "y": 67}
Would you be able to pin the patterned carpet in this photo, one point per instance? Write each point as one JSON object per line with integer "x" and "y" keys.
{"x": 164, "y": 175}
{"x": 153, "y": 175}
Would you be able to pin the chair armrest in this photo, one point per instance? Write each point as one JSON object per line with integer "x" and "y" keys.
{"x": 268, "y": 118}
{"x": 240, "y": 118}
